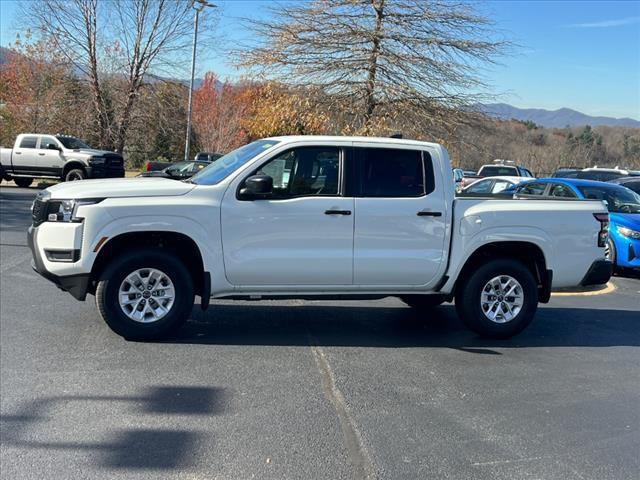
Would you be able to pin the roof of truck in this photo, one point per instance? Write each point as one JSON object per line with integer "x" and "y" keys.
{"x": 339, "y": 138}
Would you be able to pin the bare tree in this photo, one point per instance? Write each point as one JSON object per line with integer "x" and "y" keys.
{"x": 380, "y": 58}
{"x": 137, "y": 34}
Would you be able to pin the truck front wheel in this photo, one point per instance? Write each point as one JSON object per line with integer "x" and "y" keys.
{"x": 75, "y": 174}
{"x": 145, "y": 295}
{"x": 498, "y": 299}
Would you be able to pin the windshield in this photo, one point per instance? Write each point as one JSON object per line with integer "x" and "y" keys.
{"x": 218, "y": 171}
{"x": 491, "y": 171}
{"x": 178, "y": 167}
{"x": 72, "y": 143}
{"x": 619, "y": 199}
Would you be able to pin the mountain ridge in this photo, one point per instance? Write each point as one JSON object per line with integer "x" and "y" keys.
{"x": 559, "y": 118}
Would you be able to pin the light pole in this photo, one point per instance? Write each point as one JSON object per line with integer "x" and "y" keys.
{"x": 198, "y": 5}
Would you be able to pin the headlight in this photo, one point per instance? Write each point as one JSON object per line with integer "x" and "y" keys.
{"x": 627, "y": 232}
{"x": 64, "y": 210}
{"x": 97, "y": 160}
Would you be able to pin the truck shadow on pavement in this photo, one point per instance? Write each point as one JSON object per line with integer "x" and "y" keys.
{"x": 15, "y": 210}
{"x": 126, "y": 449}
{"x": 398, "y": 327}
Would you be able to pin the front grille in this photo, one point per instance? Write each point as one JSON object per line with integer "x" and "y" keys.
{"x": 113, "y": 160}
{"x": 38, "y": 212}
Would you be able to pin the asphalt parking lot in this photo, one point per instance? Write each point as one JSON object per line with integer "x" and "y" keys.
{"x": 306, "y": 390}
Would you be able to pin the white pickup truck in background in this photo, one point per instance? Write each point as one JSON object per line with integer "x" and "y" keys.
{"x": 56, "y": 156}
{"x": 313, "y": 217}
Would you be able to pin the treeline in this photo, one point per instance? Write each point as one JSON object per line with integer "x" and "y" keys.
{"x": 320, "y": 67}
{"x": 41, "y": 94}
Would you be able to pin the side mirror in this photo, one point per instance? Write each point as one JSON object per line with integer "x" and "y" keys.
{"x": 54, "y": 147}
{"x": 257, "y": 186}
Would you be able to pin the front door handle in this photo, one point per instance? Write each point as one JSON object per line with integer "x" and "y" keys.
{"x": 337, "y": 212}
{"x": 429, "y": 213}
{"x": 41, "y": 154}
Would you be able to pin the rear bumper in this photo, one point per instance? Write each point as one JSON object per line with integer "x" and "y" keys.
{"x": 76, "y": 285}
{"x": 598, "y": 274}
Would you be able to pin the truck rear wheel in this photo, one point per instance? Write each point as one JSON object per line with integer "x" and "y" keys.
{"x": 23, "y": 182}
{"x": 145, "y": 295}
{"x": 498, "y": 299}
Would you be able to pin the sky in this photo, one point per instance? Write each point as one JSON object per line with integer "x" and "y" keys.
{"x": 583, "y": 55}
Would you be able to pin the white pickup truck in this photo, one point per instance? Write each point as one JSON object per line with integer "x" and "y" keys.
{"x": 56, "y": 156}
{"x": 313, "y": 217}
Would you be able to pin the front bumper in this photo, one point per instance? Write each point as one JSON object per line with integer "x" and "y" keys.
{"x": 76, "y": 285}
{"x": 99, "y": 171}
{"x": 598, "y": 274}
{"x": 627, "y": 252}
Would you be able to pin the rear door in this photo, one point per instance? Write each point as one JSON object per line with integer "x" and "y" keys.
{"x": 25, "y": 155}
{"x": 400, "y": 215}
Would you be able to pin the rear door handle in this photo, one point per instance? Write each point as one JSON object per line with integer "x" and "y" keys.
{"x": 429, "y": 213}
{"x": 337, "y": 212}
{"x": 41, "y": 154}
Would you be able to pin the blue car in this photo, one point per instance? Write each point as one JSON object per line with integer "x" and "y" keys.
{"x": 623, "y": 205}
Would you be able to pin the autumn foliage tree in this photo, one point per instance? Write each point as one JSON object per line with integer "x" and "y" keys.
{"x": 219, "y": 111}
{"x": 37, "y": 91}
{"x": 280, "y": 110}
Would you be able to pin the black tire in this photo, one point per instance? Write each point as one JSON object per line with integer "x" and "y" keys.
{"x": 23, "y": 182}
{"x": 75, "y": 174}
{"x": 107, "y": 293}
{"x": 469, "y": 294}
{"x": 423, "y": 302}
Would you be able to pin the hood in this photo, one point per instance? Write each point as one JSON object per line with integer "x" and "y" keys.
{"x": 119, "y": 187}
{"x": 629, "y": 220}
{"x": 91, "y": 152}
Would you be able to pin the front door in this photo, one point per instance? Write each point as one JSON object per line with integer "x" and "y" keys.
{"x": 300, "y": 235}
{"x": 50, "y": 160}
{"x": 400, "y": 218}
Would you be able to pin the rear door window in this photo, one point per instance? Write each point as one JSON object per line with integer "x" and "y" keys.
{"x": 559, "y": 190}
{"x": 391, "y": 172}
{"x": 28, "y": 142}
{"x": 534, "y": 188}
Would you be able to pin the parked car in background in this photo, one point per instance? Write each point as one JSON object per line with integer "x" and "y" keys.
{"x": 565, "y": 172}
{"x": 632, "y": 183}
{"x": 499, "y": 168}
{"x": 207, "y": 157}
{"x": 624, "y": 211}
{"x": 363, "y": 217}
{"x": 177, "y": 171}
{"x": 156, "y": 166}
{"x": 458, "y": 175}
{"x": 492, "y": 186}
{"x": 56, "y": 156}
{"x": 594, "y": 173}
